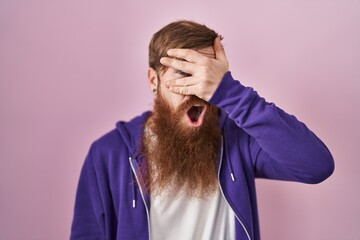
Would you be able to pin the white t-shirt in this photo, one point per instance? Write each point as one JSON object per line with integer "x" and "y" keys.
{"x": 179, "y": 217}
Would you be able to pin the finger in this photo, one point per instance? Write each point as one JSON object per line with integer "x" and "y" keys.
{"x": 219, "y": 49}
{"x": 190, "y": 90}
{"x": 182, "y": 82}
{"x": 177, "y": 64}
{"x": 187, "y": 54}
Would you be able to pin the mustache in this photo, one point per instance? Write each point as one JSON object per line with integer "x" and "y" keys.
{"x": 193, "y": 100}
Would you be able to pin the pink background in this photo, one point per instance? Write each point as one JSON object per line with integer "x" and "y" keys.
{"x": 70, "y": 69}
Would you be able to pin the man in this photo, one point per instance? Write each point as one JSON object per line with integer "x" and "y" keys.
{"x": 187, "y": 169}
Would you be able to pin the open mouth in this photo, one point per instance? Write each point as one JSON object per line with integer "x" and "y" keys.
{"x": 196, "y": 114}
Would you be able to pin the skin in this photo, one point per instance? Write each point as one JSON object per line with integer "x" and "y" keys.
{"x": 200, "y": 73}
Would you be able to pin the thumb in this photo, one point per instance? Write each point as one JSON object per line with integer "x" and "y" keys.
{"x": 219, "y": 49}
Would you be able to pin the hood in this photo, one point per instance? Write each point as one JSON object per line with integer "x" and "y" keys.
{"x": 131, "y": 132}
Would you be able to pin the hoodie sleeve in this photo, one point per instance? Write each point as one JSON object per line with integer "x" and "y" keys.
{"x": 281, "y": 146}
{"x": 88, "y": 220}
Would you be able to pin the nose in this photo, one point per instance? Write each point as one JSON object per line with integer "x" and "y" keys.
{"x": 187, "y": 97}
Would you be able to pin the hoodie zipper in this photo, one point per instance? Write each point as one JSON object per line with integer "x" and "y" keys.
{"x": 222, "y": 192}
{"x": 142, "y": 196}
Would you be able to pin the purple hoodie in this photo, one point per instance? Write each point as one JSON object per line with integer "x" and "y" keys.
{"x": 259, "y": 140}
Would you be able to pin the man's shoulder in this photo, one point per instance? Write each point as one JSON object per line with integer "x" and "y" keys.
{"x": 111, "y": 138}
{"x": 108, "y": 144}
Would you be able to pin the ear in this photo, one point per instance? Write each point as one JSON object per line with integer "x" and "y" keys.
{"x": 153, "y": 80}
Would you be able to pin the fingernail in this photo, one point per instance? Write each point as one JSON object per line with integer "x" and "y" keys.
{"x": 162, "y": 60}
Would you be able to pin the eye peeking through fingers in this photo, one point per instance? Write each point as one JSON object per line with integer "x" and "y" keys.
{"x": 182, "y": 73}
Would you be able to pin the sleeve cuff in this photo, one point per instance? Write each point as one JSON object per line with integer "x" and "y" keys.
{"x": 227, "y": 85}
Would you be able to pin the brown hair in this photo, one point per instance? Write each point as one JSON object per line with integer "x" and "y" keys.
{"x": 178, "y": 34}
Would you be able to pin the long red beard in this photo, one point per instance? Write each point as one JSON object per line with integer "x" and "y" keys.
{"x": 180, "y": 157}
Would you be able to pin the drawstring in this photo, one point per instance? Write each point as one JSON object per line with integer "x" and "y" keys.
{"x": 230, "y": 168}
{"x": 133, "y": 187}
